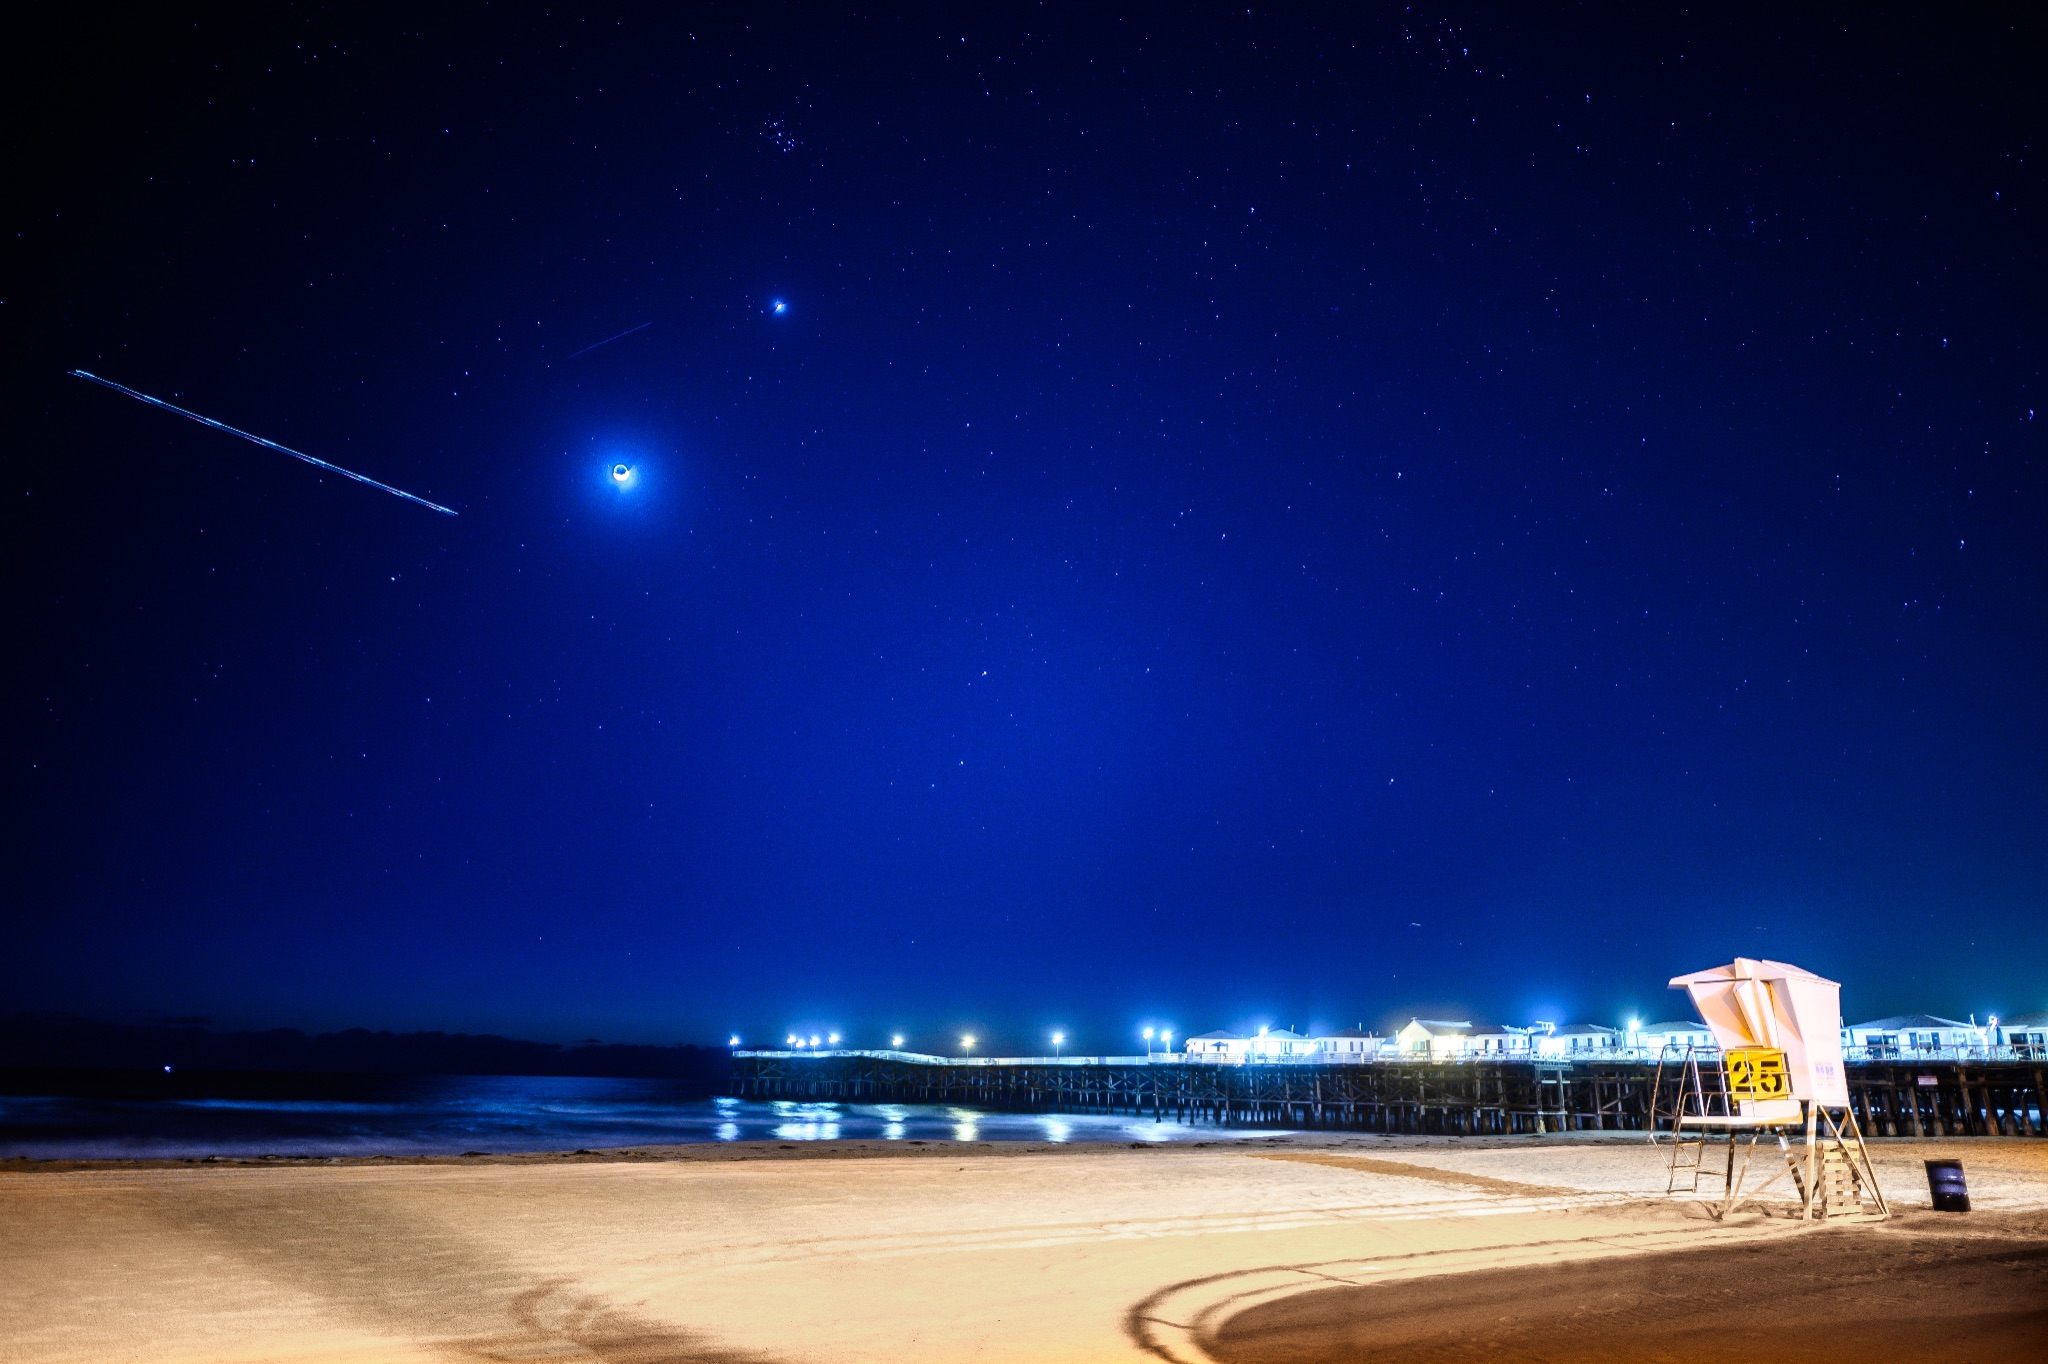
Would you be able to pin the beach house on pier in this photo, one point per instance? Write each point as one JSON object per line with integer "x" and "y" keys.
{"x": 1267, "y": 1044}
{"x": 1347, "y": 1044}
{"x": 1283, "y": 1044}
{"x": 1912, "y": 1035}
{"x": 2026, "y": 1034}
{"x": 1578, "y": 1041}
{"x": 1434, "y": 1037}
{"x": 1675, "y": 1035}
{"x": 1216, "y": 1046}
{"x": 1439, "y": 1037}
{"x": 1280, "y": 1044}
{"x": 1442, "y": 1039}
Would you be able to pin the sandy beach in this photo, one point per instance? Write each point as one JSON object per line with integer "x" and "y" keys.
{"x": 1289, "y": 1248}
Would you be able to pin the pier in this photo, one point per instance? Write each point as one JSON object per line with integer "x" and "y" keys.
{"x": 1418, "y": 1097}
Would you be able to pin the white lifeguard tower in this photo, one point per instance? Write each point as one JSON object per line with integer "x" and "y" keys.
{"x": 1776, "y": 1066}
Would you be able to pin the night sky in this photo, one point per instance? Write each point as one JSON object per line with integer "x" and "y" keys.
{"x": 1240, "y": 518}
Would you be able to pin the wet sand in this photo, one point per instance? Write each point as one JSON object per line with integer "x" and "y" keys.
{"x": 878, "y": 1252}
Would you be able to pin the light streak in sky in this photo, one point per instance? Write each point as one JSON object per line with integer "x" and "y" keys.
{"x": 607, "y": 341}
{"x": 258, "y": 440}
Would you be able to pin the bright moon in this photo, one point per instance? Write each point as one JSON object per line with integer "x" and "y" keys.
{"x": 621, "y": 474}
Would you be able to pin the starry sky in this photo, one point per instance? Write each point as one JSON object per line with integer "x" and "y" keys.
{"x": 1240, "y": 517}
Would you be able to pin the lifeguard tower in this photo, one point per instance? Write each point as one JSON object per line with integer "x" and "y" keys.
{"x": 1776, "y": 1067}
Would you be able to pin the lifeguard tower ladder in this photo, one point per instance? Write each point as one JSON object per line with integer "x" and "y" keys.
{"x": 1747, "y": 1091}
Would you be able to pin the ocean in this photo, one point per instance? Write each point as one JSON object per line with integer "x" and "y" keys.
{"x": 260, "y": 1115}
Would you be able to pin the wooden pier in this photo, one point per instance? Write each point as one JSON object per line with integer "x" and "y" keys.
{"x": 1458, "y": 1098}
{"x": 1950, "y": 1099}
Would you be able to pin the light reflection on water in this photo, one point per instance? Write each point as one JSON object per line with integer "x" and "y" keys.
{"x": 495, "y": 1114}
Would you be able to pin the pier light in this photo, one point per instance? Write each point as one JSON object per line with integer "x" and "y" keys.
{"x": 967, "y": 1043}
{"x": 896, "y": 1040}
{"x": 1166, "y": 1038}
{"x": 1058, "y": 1038}
{"x": 733, "y": 1041}
{"x": 1148, "y": 1034}
{"x": 833, "y": 1039}
{"x": 814, "y": 1039}
{"x": 790, "y": 1041}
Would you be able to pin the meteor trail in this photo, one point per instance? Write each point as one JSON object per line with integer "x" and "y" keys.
{"x": 258, "y": 440}
{"x": 608, "y": 340}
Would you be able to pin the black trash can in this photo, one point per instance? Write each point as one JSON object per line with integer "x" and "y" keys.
{"x": 1945, "y": 1182}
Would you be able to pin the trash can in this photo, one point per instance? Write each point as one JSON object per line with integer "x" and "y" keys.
{"x": 1945, "y": 1182}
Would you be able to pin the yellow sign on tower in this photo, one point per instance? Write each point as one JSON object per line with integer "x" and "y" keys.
{"x": 1758, "y": 1073}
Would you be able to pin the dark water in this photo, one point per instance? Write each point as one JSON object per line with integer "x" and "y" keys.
{"x": 448, "y": 1115}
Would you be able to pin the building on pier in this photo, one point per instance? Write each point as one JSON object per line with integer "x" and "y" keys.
{"x": 1280, "y": 1044}
{"x": 1267, "y": 1044}
{"x": 1348, "y": 1044}
{"x": 2026, "y": 1034}
{"x": 1675, "y": 1034}
{"x": 1442, "y": 1039}
{"x": 1284, "y": 1045}
{"x": 1215, "y": 1046}
{"x": 1574, "y": 1039}
{"x": 1434, "y": 1037}
{"x": 1913, "y": 1035}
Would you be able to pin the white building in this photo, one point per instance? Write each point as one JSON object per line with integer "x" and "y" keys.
{"x": 1675, "y": 1035}
{"x": 1443, "y": 1038}
{"x": 1216, "y": 1046}
{"x": 1913, "y": 1035}
{"x": 1579, "y": 1041}
{"x": 2026, "y": 1033}
{"x": 1433, "y": 1037}
{"x": 1347, "y": 1044}
{"x": 1506, "y": 1040}
{"x": 1267, "y": 1044}
{"x": 1280, "y": 1044}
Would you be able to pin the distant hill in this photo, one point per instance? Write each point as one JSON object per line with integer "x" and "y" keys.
{"x": 53, "y": 1042}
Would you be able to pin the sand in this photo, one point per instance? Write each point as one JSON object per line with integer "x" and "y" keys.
{"x": 1915, "y": 1292}
{"x": 1295, "y": 1249}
